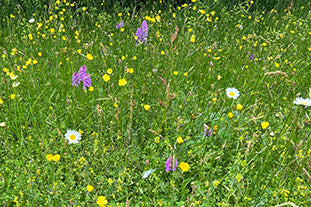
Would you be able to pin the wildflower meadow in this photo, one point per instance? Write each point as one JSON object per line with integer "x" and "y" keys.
{"x": 155, "y": 103}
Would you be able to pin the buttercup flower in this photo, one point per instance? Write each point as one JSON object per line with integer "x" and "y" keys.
{"x": 72, "y": 136}
{"x": 184, "y": 166}
{"x": 180, "y": 140}
{"x": 102, "y": 201}
{"x": 239, "y": 107}
{"x": 169, "y": 163}
{"x": 56, "y": 157}
{"x": 49, "y": 157}
{"x": 89, "y": 56}
{"x": 106, "y": 78}
{"x": 89, "y": 188}
{"x": 232, "y": 93}
{"x": 122, "y": 82}
{"x": 146, "y": 107}
{"x": 301, "y": 101}
{"x": 264, "y": 124}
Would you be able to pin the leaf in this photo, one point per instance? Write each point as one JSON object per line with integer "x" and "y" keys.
{"x": 148, "y": 172}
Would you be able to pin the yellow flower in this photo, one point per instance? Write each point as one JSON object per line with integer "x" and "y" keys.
{"x": 239, "y": 107}
{"x": 146, "y": 107}
{"x": 34, "y": 62}
{"x": 12, "y": 96}
{"x": 49, "y": 157}
{"x": 264, "y": 125}
{"x": 277, "y": 65}
{"x": 239, "y": 177}
{"x": 175, "y": 72}
{"x": 101, "y": 201}
{"x": 192, "y": 38}
{"x": 91, "y": 88}
{"x": 56, "y": 157}
{"x": 180, "y": 140}
{"x": 122, "y": 82}
{"x": 230, "y": 115}
{"x": 184, "y": 166}
{"x": 89, "y": 188}
{"x": 109, "y": 71}
{"x": 30, "y": 36}
{"x": 1, "y": 101}
{"x": 89, "y": 56}
{"x": 106, "y": 77}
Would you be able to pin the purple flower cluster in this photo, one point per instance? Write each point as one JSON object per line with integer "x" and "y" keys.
{"x": 207, "y": 131}
{"x": 251, "y": 57}
{"x": 142, "y": 33}
{"x": 81, "y": 76}
{"x": 169, "y": 162}
{"x": 120, "y": 25}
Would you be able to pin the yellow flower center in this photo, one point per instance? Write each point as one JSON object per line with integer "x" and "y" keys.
{"x": 231, "y": 93}
{"x": 304, "y": 103}
{"x": 72, "y": 137}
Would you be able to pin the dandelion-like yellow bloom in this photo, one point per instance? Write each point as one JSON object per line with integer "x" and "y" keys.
{"x": 89, "y": 56}
{"x": 146, "y": 107}
{"x": 106, "y": 78}
{"x": 239, "y": 107}
{"x": 122, "y": 82}
{"x": 12, "y": 96}
{"x": 56, "y": 157}
{"x": 89, "y": 188}
{"x": 230, "y": 115}
{"x": 192, "y": 38}
{"x": 180, "y": 140}
{"x": 102, "y": 201}
{"x": 264, "y": 125}
{"x": 49, "y": 157}
{"x": 184, "y": 166}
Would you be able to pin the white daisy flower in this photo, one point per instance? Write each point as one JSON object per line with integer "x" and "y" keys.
{"x": 32, "y": 20}
{"x": 72, "y": 136}
{"x": 15, "y": 84}
{"x": 232, "y": 93}
{"x": 302, "y": 101}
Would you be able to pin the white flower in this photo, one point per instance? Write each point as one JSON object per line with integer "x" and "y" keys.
{"x": 32, "y": 20}
{"x": 72, "y": 136}
{"x": 15, "y": 84}
{"x": 302, "y": 101}
{"x": 12, "y": 76}
{"x": 2, "y": 124}
{"x": 232, "y": 93}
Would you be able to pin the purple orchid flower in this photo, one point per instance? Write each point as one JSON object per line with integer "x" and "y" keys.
{"x": 251, "y": 57}
{"x": 142, "y": 33}
{"x": 81, "y": 76}
{"x": 169, "y": 163}
{"x": 120, "y": 25}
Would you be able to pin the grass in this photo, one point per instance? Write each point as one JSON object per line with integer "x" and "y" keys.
{"x": 193, "y": 53}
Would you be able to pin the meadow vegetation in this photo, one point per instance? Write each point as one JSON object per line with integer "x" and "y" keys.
{"x": 203, "y": 105}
